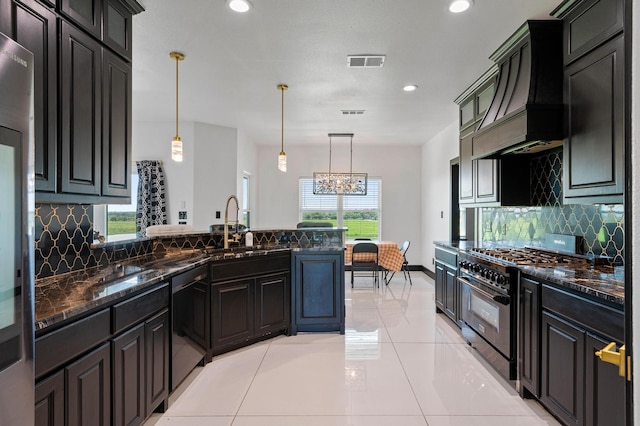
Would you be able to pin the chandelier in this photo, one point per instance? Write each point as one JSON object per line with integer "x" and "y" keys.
{"x": 334, "y": 183}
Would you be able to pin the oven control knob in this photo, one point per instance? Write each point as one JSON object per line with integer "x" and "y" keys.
{"x": 464, "y": 264}
{"x": 476, "y": 268}
{"x": 493, "y": 276}
{"x": 500, "y": 279}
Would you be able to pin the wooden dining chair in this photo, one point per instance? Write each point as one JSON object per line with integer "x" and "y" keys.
{"x": 364, "y": 262}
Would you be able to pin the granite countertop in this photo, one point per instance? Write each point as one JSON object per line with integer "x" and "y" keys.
{"x": 602, "y": 281}
{"x": 59, "y": 298}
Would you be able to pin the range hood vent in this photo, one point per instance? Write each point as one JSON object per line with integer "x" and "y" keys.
{"x": 526, "y": 114}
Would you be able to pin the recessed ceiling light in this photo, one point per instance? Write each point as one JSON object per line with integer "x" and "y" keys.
{"x": 409, "y": 87}
{"x": 239, "y": 5}
{"x": 457, "y": 6}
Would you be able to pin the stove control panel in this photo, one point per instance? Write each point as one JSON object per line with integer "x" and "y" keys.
{"x": 483, "y": 271}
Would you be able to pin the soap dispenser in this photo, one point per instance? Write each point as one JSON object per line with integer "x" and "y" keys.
{"x": 248, "y": 239}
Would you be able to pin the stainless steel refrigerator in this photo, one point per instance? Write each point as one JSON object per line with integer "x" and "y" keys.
{"x": 16, "y": 235}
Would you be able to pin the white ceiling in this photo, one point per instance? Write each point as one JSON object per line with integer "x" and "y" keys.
{"x": 235, "y": 61}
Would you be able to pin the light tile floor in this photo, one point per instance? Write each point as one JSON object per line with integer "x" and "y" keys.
{"x": 399, "y": 363}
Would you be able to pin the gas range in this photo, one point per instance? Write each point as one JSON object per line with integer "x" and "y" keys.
{"x": 530, "y": 256}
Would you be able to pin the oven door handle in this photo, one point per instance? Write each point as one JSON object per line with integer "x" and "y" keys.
{"x": 500, "y": 298}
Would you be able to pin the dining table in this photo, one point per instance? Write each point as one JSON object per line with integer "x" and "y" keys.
{"x": 389, "y": 255}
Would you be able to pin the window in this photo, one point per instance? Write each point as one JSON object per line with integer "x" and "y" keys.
{"x": 118, "y": 221}
{"x": 246, "y": 203}
{"x": 360, "y": 214}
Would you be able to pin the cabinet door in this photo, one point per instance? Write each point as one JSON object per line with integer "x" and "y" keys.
{"x": 157, "y": 332}
{"x": 450, "y": 293}
{"x": 81, "y": 59}
{"x": 86, "y": 13}
{"x": 466, "y": 171}
{"x": 272, "y": 304}
{"x": 594, "y": 148}
{"x": 128, "y": 352}
{"x": 232, "y": 317}
{"x": 117, "y": 21}
{"x": 605, "y": 389}
{"x": 35, "y": 29}
{"x": 440, "y": 286}
{"x": 529, "y": 356}
{"x": 199, "y": 321}
{"x": 486, "y": 180}
{"x": 50, "y": 401}
{"x": 562, "y": 390}
{"x": 116, "y": 129}
{"x": 88, "y": 394}
{"x": 319, "y": 293}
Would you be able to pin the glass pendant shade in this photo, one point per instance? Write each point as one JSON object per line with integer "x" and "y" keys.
{"x": 282, "y": 162}
{"x": 176, "y": 149}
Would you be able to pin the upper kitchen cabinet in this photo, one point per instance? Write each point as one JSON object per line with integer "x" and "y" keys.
{"x": 481, "y": 181}
{"x": 594, "y": 95}
{"x": 36, "y": 29}
{"x": 82, "y": 95}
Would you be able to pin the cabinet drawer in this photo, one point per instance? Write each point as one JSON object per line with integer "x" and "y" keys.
{"x": 233, "y": 269}
{"x": 447, "y": 257}
{"x": 590, "y": 314}
{"x": 197, "y": 274}
{"x": 60, "y": 346}
{"x": 139, "y": 307}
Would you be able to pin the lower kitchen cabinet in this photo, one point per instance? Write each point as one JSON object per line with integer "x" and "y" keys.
{"x": 317, "y": 294}
{"x": 141, "y": 370}
{"x": 88, "y": 388}
{"x": 576, "y": 386}
{"x": 446, "y": 282}
{"x": 50, "y": 401}
{"x": 249, "y": 300}
{"x": 529, "y": 337}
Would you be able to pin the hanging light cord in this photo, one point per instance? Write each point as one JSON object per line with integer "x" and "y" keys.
{"x": 282, "y": 122}
{"x": 177, "y": 60}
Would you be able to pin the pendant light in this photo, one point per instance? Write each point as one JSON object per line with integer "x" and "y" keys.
{"x": 282, "y": 158}
{"x": 340, "y": 183}
{"x": 176, "y": 143}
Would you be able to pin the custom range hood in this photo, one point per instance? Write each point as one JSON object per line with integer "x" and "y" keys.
{"x": 526, "y": 114}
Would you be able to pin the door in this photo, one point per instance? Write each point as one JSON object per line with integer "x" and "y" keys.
{"x": 232, "y": 317}
{"x": 272, "y": 304}
{"x": 157, "y": 360}
{"x": 128, "y": 377}
{"x": 16, "y": 237}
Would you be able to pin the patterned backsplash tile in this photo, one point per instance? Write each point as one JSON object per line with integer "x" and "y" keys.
{"x": 601, "y": 226}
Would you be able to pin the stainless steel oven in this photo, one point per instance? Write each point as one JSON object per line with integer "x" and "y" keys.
{"x": 488, "y": 311}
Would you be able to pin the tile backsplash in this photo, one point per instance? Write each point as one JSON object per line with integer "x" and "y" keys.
{"x": 600, "y": 225}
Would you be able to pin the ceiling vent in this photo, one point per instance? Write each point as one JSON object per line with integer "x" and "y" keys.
{"x": 352, "y": 111}
{"x": 365, "y": 61}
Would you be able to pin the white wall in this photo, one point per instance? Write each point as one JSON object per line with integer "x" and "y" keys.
{"x": 436, "y": 189}
{"x": 152, "y": 141}
{"x": 201, "y": 183}
{"x": 399, "y": 168}
{"x": 214, "y": 174}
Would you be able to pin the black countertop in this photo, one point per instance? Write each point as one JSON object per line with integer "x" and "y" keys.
{"x": 62, "y": 297}
{"x": 602, "y": 282}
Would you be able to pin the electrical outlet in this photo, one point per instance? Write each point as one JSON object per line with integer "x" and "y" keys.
{"x": 182, "y": 222}
{"x": 217, "y": 214}
{"x": 182, "y": 215}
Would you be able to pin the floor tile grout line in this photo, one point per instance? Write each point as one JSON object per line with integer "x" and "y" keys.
{"x": 244, "y": 397}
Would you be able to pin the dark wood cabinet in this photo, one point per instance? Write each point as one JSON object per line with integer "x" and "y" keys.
{"x": 50, "y": 401}
{"x": 128, "y": 351}
{"x": 82, "y": 95}
{"x": 157, "y": 331}
{"x": 563, "y": 348}
{"x": 81, "y": 65}
{"x": 317, "y": 296}
{"x": 116, "y": 129}
{"x": 605, "y": 389}
{"x": 88, "y": 392}
{"x": 576, "y": 386}
{"x": 529, "y": 337}
{"x": 594, "y": 148}
{"x": 447, "y": 295}
{"x": 35, "y": 27}
{"x": 85, "y": 13}
{"x": 253, "y": 306}
{"x": 232, "y": 315}
{"x": 273, "y": 306}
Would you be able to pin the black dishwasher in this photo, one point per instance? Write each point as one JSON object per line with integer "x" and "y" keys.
{"x": 190, "y": 324}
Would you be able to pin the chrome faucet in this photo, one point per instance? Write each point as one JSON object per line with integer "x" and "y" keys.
{"x": 231, "y": 217}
